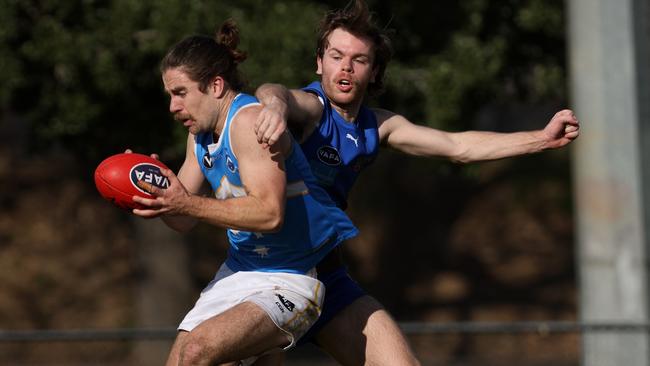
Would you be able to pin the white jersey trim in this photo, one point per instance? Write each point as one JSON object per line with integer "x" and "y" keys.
{"x": 229, "y": 123}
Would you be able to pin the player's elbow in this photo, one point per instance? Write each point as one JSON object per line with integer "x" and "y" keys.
{"x": 274, "y": 219}
{"x": 461, "y": 156}
{"x": 272, "y": 224}
{"x": 275, "y": 224}
{"x": 460, "y": 159}
{"x": 267, "y": 88}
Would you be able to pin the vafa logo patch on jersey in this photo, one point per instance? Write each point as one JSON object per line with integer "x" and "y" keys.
{"x": 329, "y": 155}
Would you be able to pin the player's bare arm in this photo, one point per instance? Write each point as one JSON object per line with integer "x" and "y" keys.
{"x": 191, "y": 178}
{"x": 399, "y": 133}
{"x": 261, "y": 171}
{"x": 296, "y": 108}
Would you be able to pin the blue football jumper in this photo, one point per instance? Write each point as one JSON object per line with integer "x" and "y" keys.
{"x": 313, "y": 225}
{"x": 338, "y": 150}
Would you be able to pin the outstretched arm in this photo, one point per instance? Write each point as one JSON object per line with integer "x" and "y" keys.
{"x": 262, "y": 173}
{"x": 400, "y": 134}
{"x": 296, "y": 108}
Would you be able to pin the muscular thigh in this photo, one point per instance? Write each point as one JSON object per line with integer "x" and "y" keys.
{"x": 238, "y": 333}
{"x": 365, "y": 334}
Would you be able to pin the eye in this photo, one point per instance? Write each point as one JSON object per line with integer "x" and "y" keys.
{"x": 335, "y": 56}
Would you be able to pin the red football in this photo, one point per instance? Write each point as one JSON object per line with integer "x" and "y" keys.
{"x": 117, "y": 176}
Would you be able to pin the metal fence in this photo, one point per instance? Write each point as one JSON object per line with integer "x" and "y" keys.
{"x": 409, "y": 328}
{"x": 529, "y": 343}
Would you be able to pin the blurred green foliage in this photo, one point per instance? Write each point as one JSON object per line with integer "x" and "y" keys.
{"x": 84, "y": 73}
{"x": 452, "y": 57}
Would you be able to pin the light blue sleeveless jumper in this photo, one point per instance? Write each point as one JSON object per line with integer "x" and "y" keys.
{"x": 313, "y": 224}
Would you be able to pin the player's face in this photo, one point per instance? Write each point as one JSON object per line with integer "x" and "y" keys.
{"x": 346, "y": 68}
{"x": 189, "y": 105}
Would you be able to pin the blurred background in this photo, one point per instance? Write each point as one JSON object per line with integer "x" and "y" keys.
{"x": 439, "y": 242}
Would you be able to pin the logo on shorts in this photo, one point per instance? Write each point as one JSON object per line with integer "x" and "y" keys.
{"x": 286, "y": 303}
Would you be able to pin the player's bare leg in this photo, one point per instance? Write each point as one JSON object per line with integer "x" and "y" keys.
{"x": 172, "y": 359}
{"x": 235, "y": 334}
{"x": 365, "y": 334}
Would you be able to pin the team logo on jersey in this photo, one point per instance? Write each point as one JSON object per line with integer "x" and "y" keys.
{"x": 329, "y": 155}
{"x": 148, "y": 173}
{"x": 230, "y": 164}
{"x": 207, "y": 160}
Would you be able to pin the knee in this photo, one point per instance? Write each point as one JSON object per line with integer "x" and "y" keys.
{"x": 195, "y": 352}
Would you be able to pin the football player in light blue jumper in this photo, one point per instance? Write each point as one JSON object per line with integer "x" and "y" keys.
{"x": 280, "y": 222}
{"x": 340, "y": 137}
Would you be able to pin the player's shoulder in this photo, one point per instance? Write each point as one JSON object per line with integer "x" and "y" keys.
{"x": 242, "y": 129}
{"x": 242, "y": 125}
{"x": 247, "y": 114}
{"x": 385, "y": 116}
{"x": 388, "y": 122}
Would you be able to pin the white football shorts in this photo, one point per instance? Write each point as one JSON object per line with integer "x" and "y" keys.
{"x": 292, "y": 301}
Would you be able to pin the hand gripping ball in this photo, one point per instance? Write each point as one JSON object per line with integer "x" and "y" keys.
{"x": 117, "y": 176}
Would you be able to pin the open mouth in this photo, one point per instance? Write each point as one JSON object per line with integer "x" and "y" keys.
{"x": 344, "y": 85}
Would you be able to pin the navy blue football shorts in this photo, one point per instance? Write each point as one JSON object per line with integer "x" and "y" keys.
{"x": 340, "y": 291}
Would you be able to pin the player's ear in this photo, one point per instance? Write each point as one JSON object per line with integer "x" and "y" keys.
{"x": 319, "y": 65}
{"x": 218, "y": 86}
